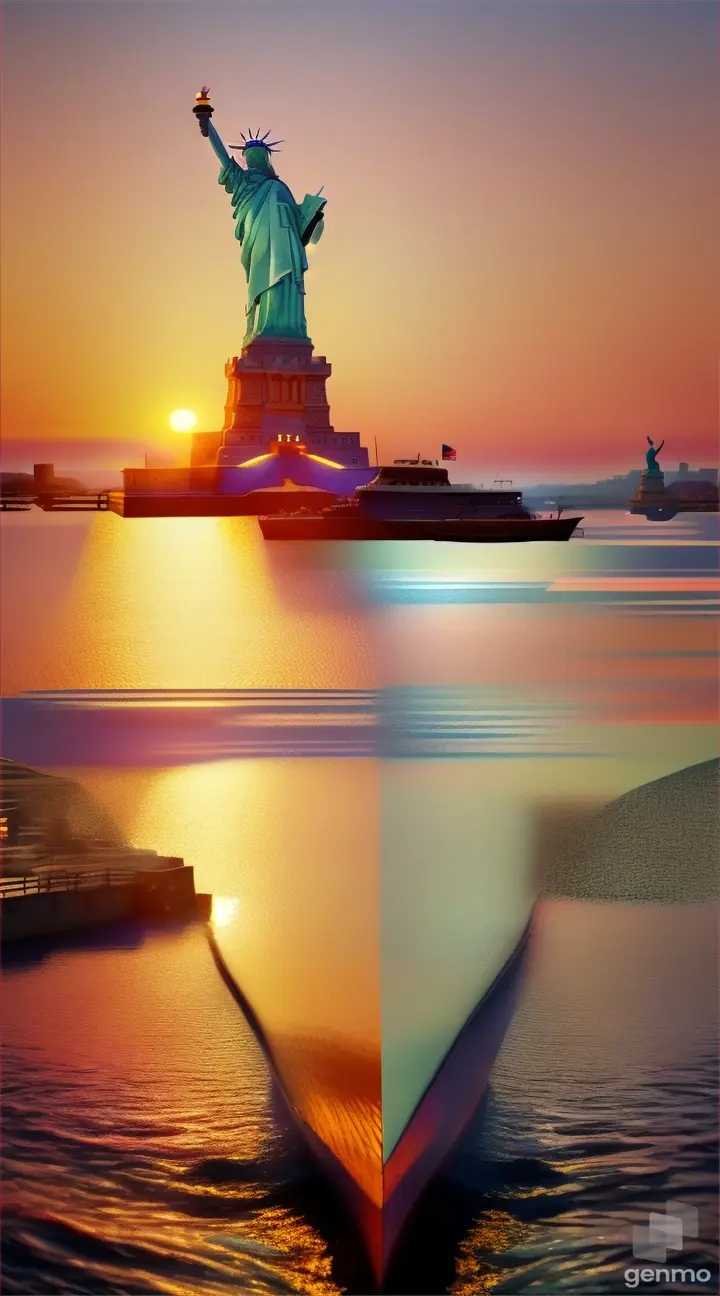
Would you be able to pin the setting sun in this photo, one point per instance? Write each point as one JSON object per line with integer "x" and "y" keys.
{"x": 182, "y": 420}
{"x": 224, "y": 910}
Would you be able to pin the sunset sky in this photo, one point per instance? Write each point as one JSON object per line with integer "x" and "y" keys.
{"x": 519, "y": 255}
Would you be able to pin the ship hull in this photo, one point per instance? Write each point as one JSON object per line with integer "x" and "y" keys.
{"x": 437, "y": 1123}
{"x": 464, "y": 530}
{"x": 449, "y": 1102}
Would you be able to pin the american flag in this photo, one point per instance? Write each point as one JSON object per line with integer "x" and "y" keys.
{"x": 448, "y": 452}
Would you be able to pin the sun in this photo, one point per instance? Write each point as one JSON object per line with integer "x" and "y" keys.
{"x": 224, "y": 910}
{"x": 182, "y": 420}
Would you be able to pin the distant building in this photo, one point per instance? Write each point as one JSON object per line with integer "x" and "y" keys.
{"x": 611, "y": 492}
{"x": 44, "y": 476}
{"x": 693, "y": 489}
{"x": 687, "y": 474}
{"x": 614, "y": 492}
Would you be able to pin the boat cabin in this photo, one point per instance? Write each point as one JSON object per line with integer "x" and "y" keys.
{"x": 410, "y": 474}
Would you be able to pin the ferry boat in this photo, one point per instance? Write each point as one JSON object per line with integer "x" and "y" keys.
{"x": 421, "y": 489}
{"x": 345, "y": 522}
{"x": 417, "y": 501}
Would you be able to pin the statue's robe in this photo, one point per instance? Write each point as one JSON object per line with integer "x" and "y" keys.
{"x": 273, "y": 230}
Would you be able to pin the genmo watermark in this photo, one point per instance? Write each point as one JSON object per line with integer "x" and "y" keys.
{"x": 665, "y": 1232}
{"x": 634, "y": 1277}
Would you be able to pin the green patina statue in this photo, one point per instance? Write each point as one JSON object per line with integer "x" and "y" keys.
{"x": 271, "y": 227}
{"x": 652, "y": 468}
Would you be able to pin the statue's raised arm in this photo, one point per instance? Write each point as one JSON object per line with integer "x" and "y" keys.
{"x": 203, "y": 110}
{"x": 218, "y": 145}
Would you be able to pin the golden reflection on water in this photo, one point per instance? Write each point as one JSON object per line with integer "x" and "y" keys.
{"x": 147, "y": 1037}
{"x": 290, "y": 851}
{"x": 137, "y": 1067}
{"x": 212, "y": 815}
{"x": 296, "y": 843}
{"x": 294, "y": 1240}
{"x": 495, "y": 1233}
{"x": 292, "y": 1253}
{"x": 183, "y": 603}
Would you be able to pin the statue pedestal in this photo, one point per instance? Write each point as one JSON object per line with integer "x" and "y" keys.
{"x": 276, "y": 395}
{"x": 652, "y": 498}
{"x": 275, "y": 389}
{"x": 652, "y": 487}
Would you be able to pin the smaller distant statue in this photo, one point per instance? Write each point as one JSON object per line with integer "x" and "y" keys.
{"x": 653, "y": 467}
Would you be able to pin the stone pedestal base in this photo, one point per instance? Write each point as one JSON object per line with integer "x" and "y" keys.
{"x": 652, "y": 498}
{"x": 277, "y": 398}
{"x": 651, "y": 483}
{"x": 275, "y": 389}
{"x": 651, "y": 490}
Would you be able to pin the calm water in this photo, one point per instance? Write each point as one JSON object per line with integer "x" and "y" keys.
{"x": 143, "y": 1151}
{"x": 568, "y": 672}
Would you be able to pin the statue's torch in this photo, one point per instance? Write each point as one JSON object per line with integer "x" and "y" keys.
{"x": 203, "y": 109}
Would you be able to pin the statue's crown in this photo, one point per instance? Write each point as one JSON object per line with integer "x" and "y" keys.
{"x": 256, "y": 141}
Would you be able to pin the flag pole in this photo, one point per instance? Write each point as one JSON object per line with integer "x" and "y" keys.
{"x": 377, "y": 461}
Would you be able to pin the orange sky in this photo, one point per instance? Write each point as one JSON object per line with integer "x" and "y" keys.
{"x": 519, "y": 254}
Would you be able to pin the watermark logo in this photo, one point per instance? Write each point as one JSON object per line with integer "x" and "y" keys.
{"x": 664, "y": 1235}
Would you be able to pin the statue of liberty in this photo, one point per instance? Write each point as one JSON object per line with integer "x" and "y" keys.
{"x": 272, "y": 229}
{"x": 652, "y": 468}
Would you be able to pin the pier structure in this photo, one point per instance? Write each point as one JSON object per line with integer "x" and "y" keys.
{"x": 98, "y": 502}
{"x": 15, "y": 503}
{"x": 68, "y": 898}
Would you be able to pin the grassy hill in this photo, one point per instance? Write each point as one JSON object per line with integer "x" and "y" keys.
{"x": 659, "y": 843}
